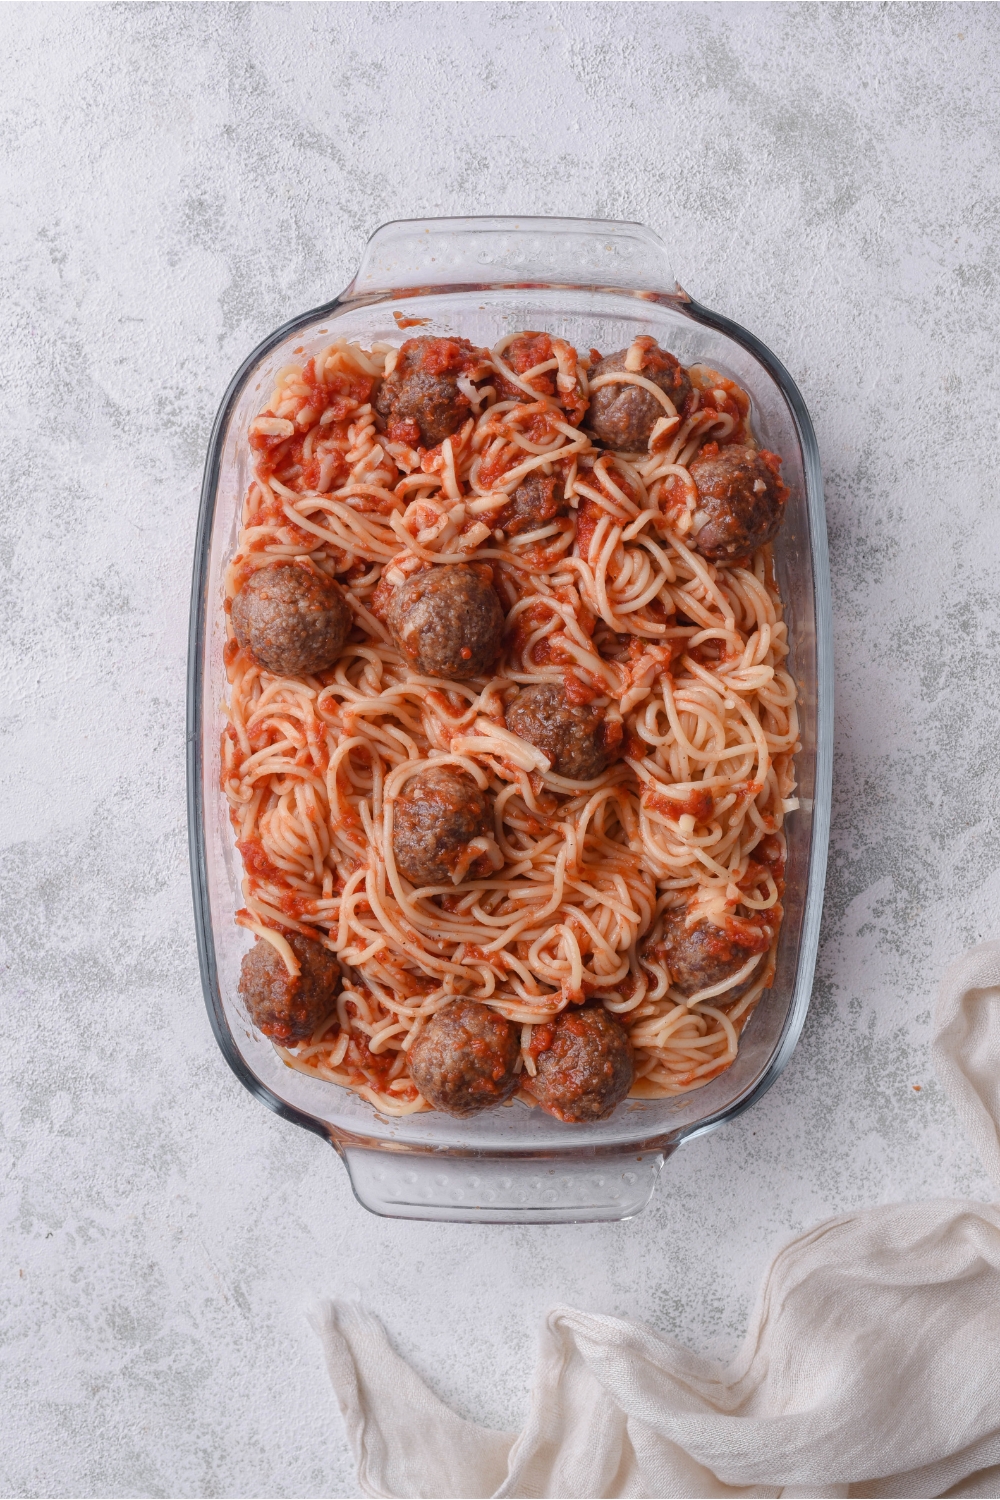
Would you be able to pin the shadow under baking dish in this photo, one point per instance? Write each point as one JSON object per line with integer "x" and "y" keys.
{"x": 597, "y": 283}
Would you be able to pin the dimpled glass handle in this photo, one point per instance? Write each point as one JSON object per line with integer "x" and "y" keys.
{"x": 425, "y": 255}
{"x": 504, "y": 1190}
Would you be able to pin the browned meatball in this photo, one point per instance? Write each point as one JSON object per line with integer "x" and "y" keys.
{"x": 287, "y": 1009}
{"x": 623, "y": 416}
{"x": 434, "y": 820}
{"x": 537, "y": 500}
{"x": 464, "y": 1059}
{"x": 447, "y": 621}
{"x": 421, "y": 401}
{"x": 704, "y": 955}
{"x": 570, "y": 734}
{"x": 742, "y": 498}
{"x": 293, "y": 620}
{"x": 585, "y": 1067}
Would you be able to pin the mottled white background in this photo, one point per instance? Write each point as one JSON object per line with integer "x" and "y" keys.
{"x": 178, "y": 180}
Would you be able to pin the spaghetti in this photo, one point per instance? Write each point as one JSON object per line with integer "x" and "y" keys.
{"x": 622, "y": 889}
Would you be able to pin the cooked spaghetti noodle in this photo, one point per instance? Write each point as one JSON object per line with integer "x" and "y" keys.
{"x": 568, "y": 896}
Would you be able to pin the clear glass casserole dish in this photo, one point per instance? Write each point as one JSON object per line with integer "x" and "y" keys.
{"x": 592, "y": 282}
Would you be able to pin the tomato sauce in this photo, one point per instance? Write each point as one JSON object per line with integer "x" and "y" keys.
{"x": 528, "y": 621}
{"x": 439, "y": 356}
{"x": 719, "y": 393}
{"x": 773, "y": 462}
{"x": 402, "y": 322}
{"x": 578, "y": 692}
{"x": 405, "y": 430}
{"x": 612, "y": 733}
{"x": 634, "y": 748}
{"x": 522, "y": 355}
{"x": 588, "y": 518}
{"x": 495, "y": 465}
{"x": 376, "y": 1066}
{"x": 338, "y": 394}
{"x": 750, "y": 933}
{"x": 698, "y": 804}
{"x": 542, "y": 1037}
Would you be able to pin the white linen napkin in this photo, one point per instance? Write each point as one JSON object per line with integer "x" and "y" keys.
{"x": 871, "y": 1366}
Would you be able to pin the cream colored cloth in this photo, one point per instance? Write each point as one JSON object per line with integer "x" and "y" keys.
{"x": 871, "y": 1366}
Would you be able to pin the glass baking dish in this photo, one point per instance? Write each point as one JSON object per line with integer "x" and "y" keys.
{"x": 593, "y": 282}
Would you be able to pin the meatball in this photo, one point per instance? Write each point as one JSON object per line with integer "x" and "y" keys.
{"x": 741, "y": 498}
{"x": 586, "y": 1069}
{"x": 434, "y": 820}
{"x": 537, "y": 500}
{"x": 287, "y": 1009}
{"x": 464, "y": 1059}
{"x": 421, "y": 400}
{"x": 705, "y": 955}
{"x": 293, "y": 620}
{"x": 570, "y": 734}
{"x": 623, "y": 416}
{"x": 447, "y": 621}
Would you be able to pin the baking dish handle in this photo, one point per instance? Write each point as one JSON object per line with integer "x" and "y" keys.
{"x": 503, "y": 1190}
{"x": 414, "y": 256}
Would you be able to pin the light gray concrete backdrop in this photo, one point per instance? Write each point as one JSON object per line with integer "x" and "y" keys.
{"x": 178, "y": 180}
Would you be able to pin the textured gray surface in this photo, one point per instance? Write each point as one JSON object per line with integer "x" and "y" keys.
{"x": 182, "y": 179}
